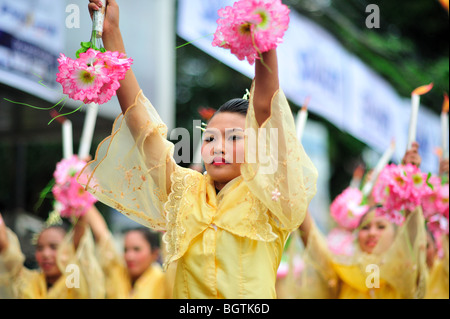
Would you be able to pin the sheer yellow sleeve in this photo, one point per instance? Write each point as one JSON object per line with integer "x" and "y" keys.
{"x": 11, "y": 265}
{"x": 117, "y": 282}
{"x": 403, "y": 265}
{"x": 132, "y": 167}
{"x": 80, "y": 267}
{"x": 318, "y": 279}
{"x": 277, "y": 170}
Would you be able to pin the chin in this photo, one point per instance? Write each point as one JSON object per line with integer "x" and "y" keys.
{"x": 221, "y": 175}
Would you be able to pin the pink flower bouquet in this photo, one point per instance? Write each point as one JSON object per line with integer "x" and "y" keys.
{"x": 340, "y": 241}
{"x": 251, "y": 27}
{"x": 436, "y": 207}
{"x": 347, "y": 209}
{"x": 93, "y": 77}
{"x": 74, "y": 200}
{"x": 400, "y": 188}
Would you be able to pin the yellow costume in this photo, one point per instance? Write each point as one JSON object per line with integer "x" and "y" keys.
{"x": 152, "y": 284}
{"x": 227, "y": 245}
{"x": 437, "y": 287}
{"x": 81, "y": 275}
{"x": 399, "y": 272}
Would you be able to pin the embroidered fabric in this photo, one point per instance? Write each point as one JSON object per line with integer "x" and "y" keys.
{"x": 135, "y": 173}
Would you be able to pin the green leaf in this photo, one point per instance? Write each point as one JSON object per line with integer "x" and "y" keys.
{"x": 84, "y": 47}
{"x": 428, "y": 181}
{"x": 44, "y": 194}
{"x": 364, "y": 201}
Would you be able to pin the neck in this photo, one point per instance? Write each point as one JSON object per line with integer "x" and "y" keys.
{"x": 219, "y": 186}
{"x": 50, "y": 280}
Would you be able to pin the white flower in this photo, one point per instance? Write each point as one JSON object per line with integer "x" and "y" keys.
{"x": 276, "y": 195}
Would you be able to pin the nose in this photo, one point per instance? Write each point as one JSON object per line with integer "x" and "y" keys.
{"x": 218, "y": 147}
{"x": 372, "y": 231}
{"x": 46, "y": 254}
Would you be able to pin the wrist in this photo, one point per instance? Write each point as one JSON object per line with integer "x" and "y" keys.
{"x": 112, "y": 40}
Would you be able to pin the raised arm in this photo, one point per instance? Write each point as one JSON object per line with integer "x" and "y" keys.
{"x": 3, "y": 235}
{"x": 305, "y": 228}
{"x": 412, "y": 155}
{"x": 143, "y": 127}
{"x": 97, "y": 223}
{"x": 266, "y": 85}
{"x": 113, "y": 41}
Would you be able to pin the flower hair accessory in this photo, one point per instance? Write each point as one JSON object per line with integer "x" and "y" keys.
{"x": 251, "y": 27}
{"x": 246, "y": 95}
{"x": 53, "y": 219}
{"x": 347, "y": 208}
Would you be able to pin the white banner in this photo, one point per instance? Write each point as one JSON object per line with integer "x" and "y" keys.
{"x": 342, "y": 89}
{"x": 31, "y": 38}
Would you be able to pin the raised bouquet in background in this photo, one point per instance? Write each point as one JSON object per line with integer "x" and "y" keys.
{"x": 435, "y": 206}
{"x": 73, "y": 200}
{"x": 400, "y": 188}
{"x": 348, "y": 208}
{"x": 251, "y": 27}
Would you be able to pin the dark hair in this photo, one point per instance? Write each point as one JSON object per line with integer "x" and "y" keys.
{"x": 150, "y": 236}
{"x": 61, "y": 227}
{"x": 239, "y": 106}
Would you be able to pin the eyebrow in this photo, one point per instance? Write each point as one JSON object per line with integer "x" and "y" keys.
{"x": 229, "y": 129}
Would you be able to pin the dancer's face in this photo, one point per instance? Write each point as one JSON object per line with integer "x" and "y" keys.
{"x": 138, "y": 254}
{"x": 376, "y": 231}
{"x": 46, "y": 251}
{"x": 223, "y": 147}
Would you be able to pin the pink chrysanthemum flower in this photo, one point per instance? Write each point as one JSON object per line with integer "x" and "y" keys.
{"x": 68, "y": 168}
{"x": 94, "y": 77}
{"x": 436, "y": 208}
{"x": 400, "y": 188}
{"x": 74, "y": 200}
{"x": 347, "y": 210}
{"x": 251, "y": 27}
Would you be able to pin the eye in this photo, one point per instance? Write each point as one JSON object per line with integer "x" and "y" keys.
{"x": 209, "y": 138}
{"x": 234, "y": 137}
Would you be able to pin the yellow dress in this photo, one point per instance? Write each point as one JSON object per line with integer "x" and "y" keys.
{"x": 396, "y": 273}
{"x": 81, "y": 275}
{"x": 152, "y": 284}
{"x": 438, "y": 280}
{"x": 226, "y": 245}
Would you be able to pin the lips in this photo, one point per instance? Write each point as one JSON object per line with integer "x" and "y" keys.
{"x": 47, "y": 265}
{"x": 218, "y": 161}
{"x": 371, "y": 243}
